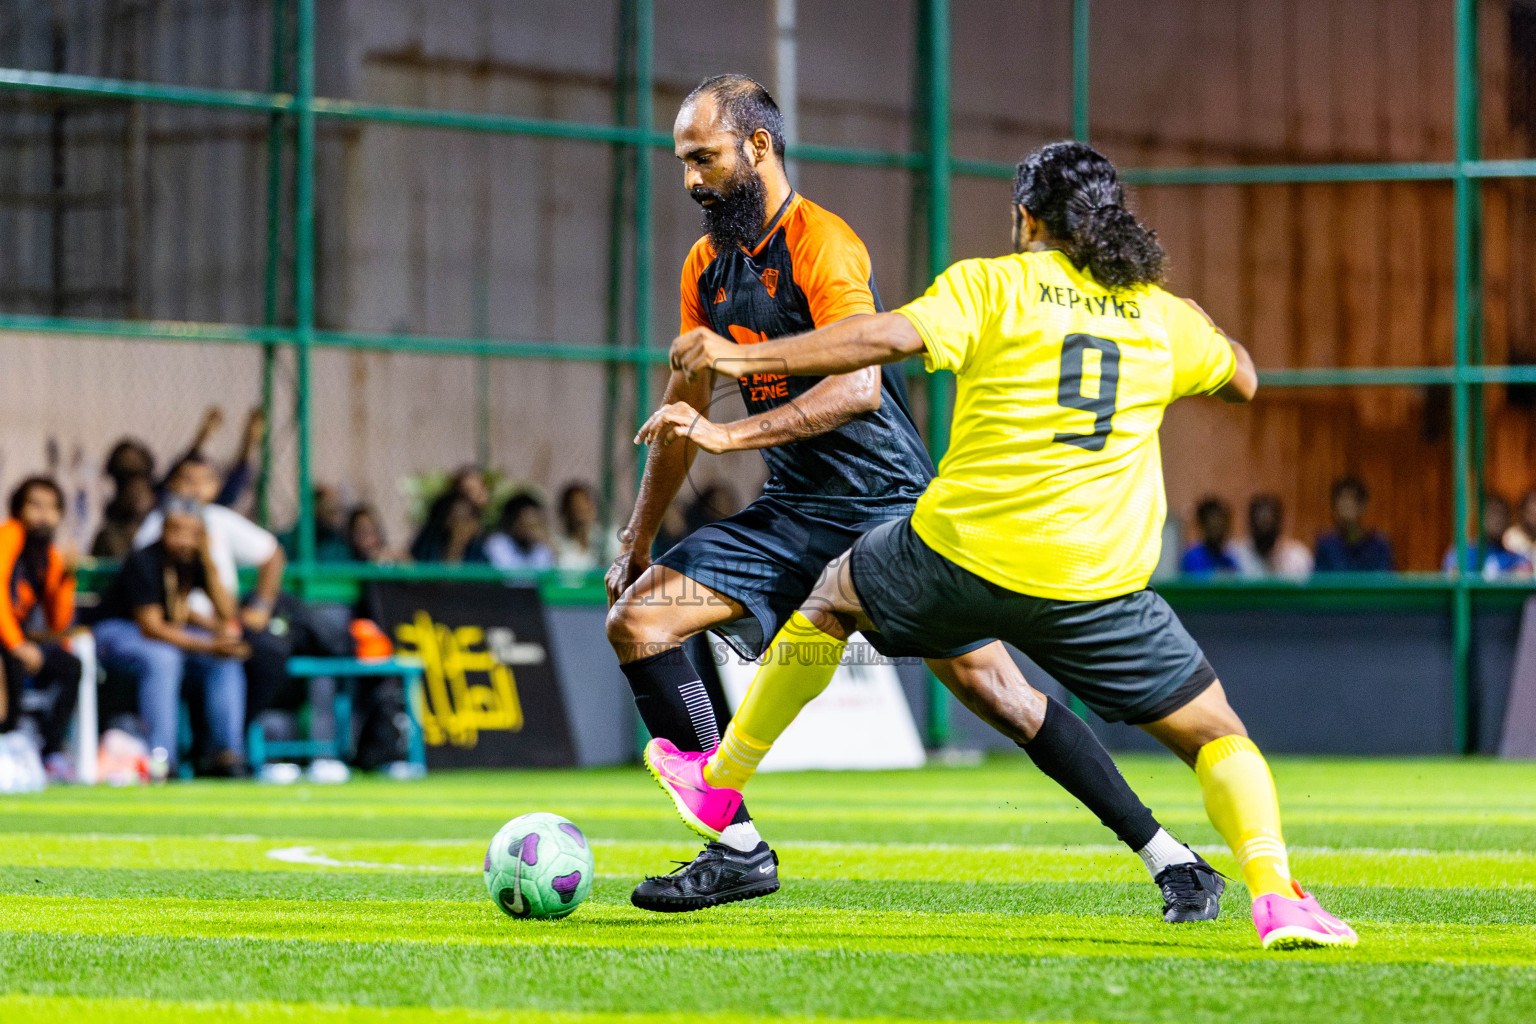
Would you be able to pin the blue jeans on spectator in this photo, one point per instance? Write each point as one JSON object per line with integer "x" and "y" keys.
{"x": 159, "y": 669}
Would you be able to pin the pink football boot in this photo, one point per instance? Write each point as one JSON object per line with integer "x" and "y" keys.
{"x": 706, "y": 809}
{"x": 1284, "y": 923}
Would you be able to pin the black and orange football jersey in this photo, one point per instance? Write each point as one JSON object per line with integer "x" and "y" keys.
{"x": 809, "y": 270}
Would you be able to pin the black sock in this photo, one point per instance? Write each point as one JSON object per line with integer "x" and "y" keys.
{"x": 675, "y": 704}
{"x": 1068, "y": 751}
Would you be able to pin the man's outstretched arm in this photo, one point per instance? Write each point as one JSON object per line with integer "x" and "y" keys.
{"x": 825, "y": 406}
{"x": 842, "y": 347}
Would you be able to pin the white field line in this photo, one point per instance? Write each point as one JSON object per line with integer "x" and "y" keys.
{"x": 788, "y": 844}
{"x": 308, "y": 855}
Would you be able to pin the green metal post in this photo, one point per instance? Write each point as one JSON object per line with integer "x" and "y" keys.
{"x": 304, "y": 269}
{"x": 1466, "y": 301}
{"x": 936, "y": 74}
{"x": 1080, "y": 133}
{"x": 645, "y": 25}
{"x": 482, "y": 318}
{"x": 272, "y": 276}
{"x": 622, "y": 158}
{"x": 1080, "y": 70}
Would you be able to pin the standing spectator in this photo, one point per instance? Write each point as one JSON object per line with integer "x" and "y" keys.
{"x": 582, "y": 543}
{"x": 522, "y": 538}
{"x": 365, "y": 537}
{"x": 1266, "y": 551}
{"x": 235, "y": 543}
{"x": 1210, "y": 555}
{"x": 1351, "y": 547}
{"x": 37, "y": 605}
{"x": 1521, "y": 538}
{"x": 151, "y": 630}
{"x": 451, "y": 533}
{"x": 125, "y": 513}
{"x": 1496, "y": 560}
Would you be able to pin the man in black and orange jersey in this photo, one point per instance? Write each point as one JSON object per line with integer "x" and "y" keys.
{"x": 844, "y": 457}
{"x": 37, "y": 606}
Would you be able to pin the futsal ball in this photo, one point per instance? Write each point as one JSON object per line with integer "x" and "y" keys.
{"x": 539, "y": 865}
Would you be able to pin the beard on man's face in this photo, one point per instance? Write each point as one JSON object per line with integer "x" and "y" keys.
{"x": 181, "y": 560}
{"x": 735, "y": 217}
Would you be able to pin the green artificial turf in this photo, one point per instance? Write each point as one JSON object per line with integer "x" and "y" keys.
{"x": 977, "y": 893}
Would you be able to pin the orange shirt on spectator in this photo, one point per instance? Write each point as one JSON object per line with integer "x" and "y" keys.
{"x": 18, "y": 598}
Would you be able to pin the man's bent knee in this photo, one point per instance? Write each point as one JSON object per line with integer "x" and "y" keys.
{"x": 636, "y": 631}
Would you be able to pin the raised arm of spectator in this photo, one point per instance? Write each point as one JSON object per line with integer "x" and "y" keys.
{"x": 238, "y": 479}
{"x": 211, "y": 423}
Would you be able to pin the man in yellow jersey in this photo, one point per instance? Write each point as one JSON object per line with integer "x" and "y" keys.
{"x": 1044, "y": 522}
{"x": 843, "y": 457}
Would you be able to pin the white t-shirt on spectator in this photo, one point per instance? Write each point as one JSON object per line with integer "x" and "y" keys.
{"x": 501, "y": 552}
{"x": 234, "y": 543}
{"x": 1289, "y": 559}
{"x": 572, "y": 556}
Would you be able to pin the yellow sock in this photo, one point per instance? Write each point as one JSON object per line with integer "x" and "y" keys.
{"x": 1240, "y": 799}
{"x": 797, "y": 666}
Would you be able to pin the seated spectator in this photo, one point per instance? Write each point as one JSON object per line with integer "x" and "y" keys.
{"x": 37, "y": 605}
{"x": 1350, "y": 547}
{"x": 330, "y": 528}
{"x": 235, "y": 543}
{"x": 1521, "y": 538}
{"x": 469, "y": 483}
{"x": 1266, "y": 552}
{"x": 125, "y": 513}
{"x": 1496, "y": 560}
{"x": 151, "y": 631}
{"x": 451, "y": 533}
{"x": 522, "y": 537}
{"x": 129, "y": 458}
{"x": 466, "y": 490}
{"x": 1210, "y": 555}
{"x": 582, "y": 544}
{"x": 365, "y": 537}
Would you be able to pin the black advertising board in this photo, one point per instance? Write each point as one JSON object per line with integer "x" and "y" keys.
{"x": 490, "y": 696}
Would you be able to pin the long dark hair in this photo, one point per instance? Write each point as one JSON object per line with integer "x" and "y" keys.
{"x": 1074, "y": 190}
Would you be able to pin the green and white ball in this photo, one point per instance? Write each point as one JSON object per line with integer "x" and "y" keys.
{"x": 539, "y": 865}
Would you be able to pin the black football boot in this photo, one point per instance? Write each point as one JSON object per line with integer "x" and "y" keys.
{"x": 717, "y": 875}
{"x": 1191, "y": 892}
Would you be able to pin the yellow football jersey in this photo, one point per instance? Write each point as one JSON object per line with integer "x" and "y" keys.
{"x": 1053, "y": 482}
